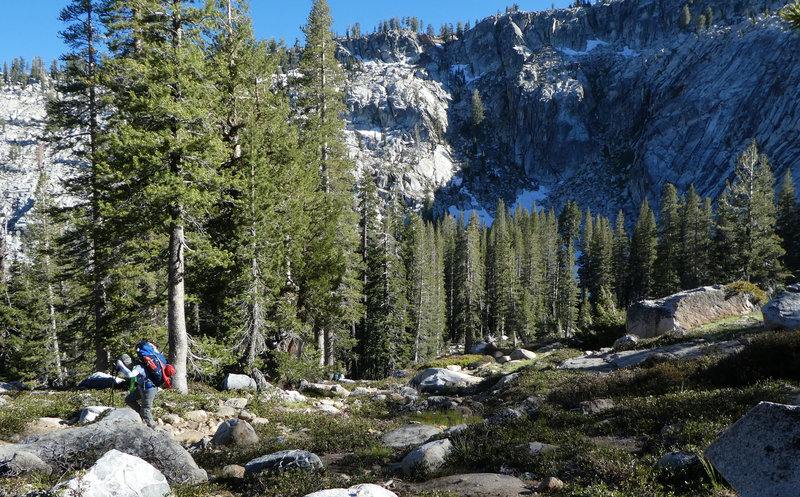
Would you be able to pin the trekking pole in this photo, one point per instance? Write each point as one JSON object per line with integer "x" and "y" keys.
{"x": 113, "y": 384}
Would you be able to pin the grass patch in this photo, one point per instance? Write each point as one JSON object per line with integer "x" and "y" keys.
{"x": 26, "y": 406}
{"x": 456, "y": 360}
{"x": 444, "y": 418}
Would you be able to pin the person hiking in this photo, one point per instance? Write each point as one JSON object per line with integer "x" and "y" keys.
{"x": 146, "y": 376}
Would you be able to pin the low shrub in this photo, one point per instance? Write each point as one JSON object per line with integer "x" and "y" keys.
{"x": 772, "y": 355}
{"x": 757, "y": 295}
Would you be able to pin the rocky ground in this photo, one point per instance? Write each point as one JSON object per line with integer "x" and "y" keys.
{"x": 552, "y": 420}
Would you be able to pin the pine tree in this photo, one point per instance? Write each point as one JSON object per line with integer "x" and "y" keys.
{"x": 469, "y": 283}
{"x": 748, "y": 208}
{"x": 499, "y": 275}
{"x": 685, "y": 17}
{"x": 165, "y": 146}
{"x": 666, "y": 280}
{"x": 74, "y": 122}
{"x": 567, "y": 288}
{"x": 320, "y": 102}
{"x": 620, "y": 260}
{"x": 695, "y": 235}
{"x": 477, "y": 115}
{"x": 787, "y": 222}
{"x": 642, "y": 254}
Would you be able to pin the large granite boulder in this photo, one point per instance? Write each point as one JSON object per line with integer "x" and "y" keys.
{"x": 283, "y": 460}
{"x": 783, "y": 311}
{"x": 436, "y": 379}
{"x": 409, "y": 435}
{"x": 100, "y": 381}
{"x": 114, "y": 431}
{"x": 117, "y": 474}
{"x": 685, "y": 310}
{"x": 759, "y": 455}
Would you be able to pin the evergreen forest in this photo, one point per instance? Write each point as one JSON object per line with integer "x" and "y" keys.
{"x": 217, "y": 214}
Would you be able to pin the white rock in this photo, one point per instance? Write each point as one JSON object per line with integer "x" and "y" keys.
{"x": 431, "y": 455}
{"x": 363, "y": 490}
{"x": 91, "y": 413}
{"x": 117, "y": 474}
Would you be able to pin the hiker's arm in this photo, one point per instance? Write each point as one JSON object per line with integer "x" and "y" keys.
{"x": 124, "y": 369}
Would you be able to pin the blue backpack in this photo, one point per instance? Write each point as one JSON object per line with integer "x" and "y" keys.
{"x": 155, "y": 366}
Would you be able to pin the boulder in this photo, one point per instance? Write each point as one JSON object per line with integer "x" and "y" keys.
{"x": 685, "y": 310}
{"x": 117, "y": 474}
{"x": 503, "y": 359}
{"x": 506, "y": 416}
{"x": 626, "y": 342}
{"x": 235, "y": 432}
{"x": 114, "y": 431}
{"x": 538, "y": 448}
{"x": 481, "y": 348}
{"x": 783, "y": 311}
{"x": 677, "y": 461}
{"x": 430, "y": 456}
{"x": 551, "y": 483}
{"x": 233, "y": 471}
{"x": 436, "y": 379}
{"x": 363, "y": 490}
{"x": 239, "y": 382}
{"x": 226, "y": 412}
{"x": 91, "y": 413}
{"x": 522, "y": 355}
{"x": 14, "y": 463}
{"x": 198, "y": 416}
{"x": 595, "y": 406}
{"x": 13, "y": 386}
{"x": 236, "y": 402}
{"x": 100, "y": 381}
{"x": 409, "y": 435}
{"x": 283, "y": 460}
{"x": 475, "y": 485}
{"x": 759, "y": 455}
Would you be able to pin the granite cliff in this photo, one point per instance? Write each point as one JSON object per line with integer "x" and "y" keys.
{"x": 602, "y": 104}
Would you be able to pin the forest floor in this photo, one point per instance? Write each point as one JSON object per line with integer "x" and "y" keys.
{"x": 609, "y": 428}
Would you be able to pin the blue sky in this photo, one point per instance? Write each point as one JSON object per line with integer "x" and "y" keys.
{"x": 30, "y": 27}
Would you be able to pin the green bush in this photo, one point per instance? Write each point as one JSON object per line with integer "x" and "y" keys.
{"x": 757, "y": 295}
{"x": 773, "y": 355}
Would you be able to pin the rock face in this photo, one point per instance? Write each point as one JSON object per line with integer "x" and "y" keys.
{"x": 783, "y": 311}
{"x": 113, "y": 432}
{"x": 759, "y": 454}
{"x": 436, "y": 379}
{"x": 684, "y": 310}
{"x": 117, "y": 474}
{"x": 602, "y": 104}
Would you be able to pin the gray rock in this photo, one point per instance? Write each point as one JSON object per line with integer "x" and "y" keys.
{"x": 13, "y": 386}
{"x": 626, "y": 342}
{"x": 236, "y": 402}
{"x": 283, "y": 460}
{"x": 233, "y": 471}
{"x": 198, "y": 416}
{"x": 100, "y": 381}
{"x": 119, "y": 475}
{"x": 91, "y": 413}
{"x": 537, "y": 448}
{"x": 595, "y": 406}
{"x": 455, "y": 429}
{"x": 480, "y": 348}
{"x": 504, "y": 381}
{"x": 239, "y": 382}
{"x": 783, "y": 311}
{"x": 19, "y": 462}
{"x": 362, "y": 490}
{"x": 684, "y": 311}
{"x": 677, "y": 461}
{"x": 476, "y": 485}
{"x": 409, "y": 435}
{"x": 121, "y": 415}
{"x": 503, "y": 359}
{"x": 759, "y": 454}
{"x": 550, "y": 483}
{"x": 430, "y": 456}
{"x": 235, "y": 432}
{"x": 522, "y": 355}
{"x": 506, "y": 415}
{"x": 436, "y": 379}
{"x": 155, "y": 446}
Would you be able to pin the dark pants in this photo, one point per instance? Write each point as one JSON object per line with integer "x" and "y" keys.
{"x": 145, "y": 410}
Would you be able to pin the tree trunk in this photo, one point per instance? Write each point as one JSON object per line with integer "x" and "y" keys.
{"x": 176, "y": 319}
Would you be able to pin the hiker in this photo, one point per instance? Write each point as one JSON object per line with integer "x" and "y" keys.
{"x": 151, "y": 372}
